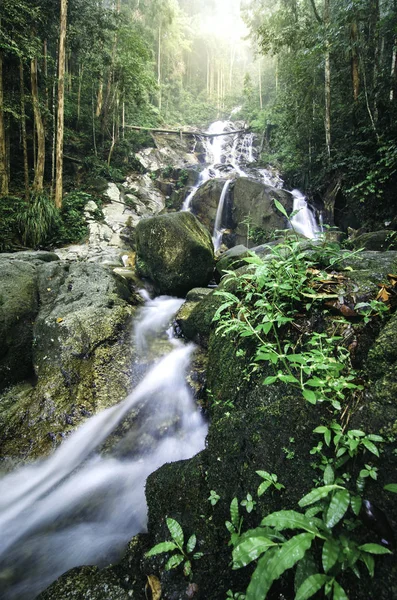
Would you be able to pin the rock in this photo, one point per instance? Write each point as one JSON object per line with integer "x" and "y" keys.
{"x": 375, "y": 240}
{"x": 366, "y": 270}
{"x": 79, "y": 359}
{"x": 35, "y": 257}
{"x": 175, "y": 251}
{"x": 205, "y": 202}
{"x": 18, "y": 310}
{"x": 195, "y": 317}
{"x": 232, "y": 259}
{"x": 254, "y": 201}
{"x": 86, "y": 583}
{"x": 170, "y": 151}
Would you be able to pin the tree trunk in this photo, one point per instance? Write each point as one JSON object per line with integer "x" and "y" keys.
{"x": 61, "y": 104}
{"x": 3, "y": 154}
{"x": 38, "y": 182}
{"x": 81, "y": 71}
{"x": 159, "y": 67}
{"x": 23, "y": 129}
{"x": 260, "y": 83}
{"x": 99, "y": 100}
{"x": 327, "y": 89}
{"x": 354, "y": 60}
{"x": 393, "y": 71}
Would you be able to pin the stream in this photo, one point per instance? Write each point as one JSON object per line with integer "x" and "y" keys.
{"x": 81, "y": 507}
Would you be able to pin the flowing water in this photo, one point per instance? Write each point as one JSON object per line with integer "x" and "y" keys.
{"x": 234, "y": 155}
{"x": 81, "y": 506}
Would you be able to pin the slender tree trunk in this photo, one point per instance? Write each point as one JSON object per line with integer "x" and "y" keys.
{"x": 45, "y": 65}
{"x": 375, "y": 34}
{"x": 260, "y": 83}
{"x": 393, "y": 71}
{"x": 93, "y": 123}
{"x": 99, "y": 101}
{"x": 354, "y": 60}
{"x": 159, "y": 66}
{"x": 327, "y": 78}
{"x": 3, "y": 154}
{"x": 61, "y": 104}
{"x": 23, "y": 129}
{"x": 81, "y": 71}
{"x": 38, "y": 182}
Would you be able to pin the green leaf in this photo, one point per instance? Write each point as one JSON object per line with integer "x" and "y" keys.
{"x": 274, "y": 562}
{"x": 391, "y": 487}
{"x": 191, "y": 544}
{"x": 250, "y": 549}
{"x": 160, "y": 548}
{"x": 310, "y": 396}
{"x": 339, "y": 592}
{"x": 370, "y": 446}
{"x": 269, "y": 380}
{"x": 174, "y": 561}
{"x": 234, "y": 512}
{"x": 187, "y": 568}
{"x": 289, "y": 519}
{"x": 198, "y": 555}
{"x": 316, "y": 494}
{"x": 369, "y": 562}
{"x": 311, "y": 586}
{"x": 280, "y": 207}
{"x": 374, "y": 549}
{"x": 330, "y": 554}
{"x": 337, "y": 507}
{"x": 306, "y": 566}
{"x": 176, "y": 531}
{"x": 329, "y": 475}
{"x": 263, "y": 487}
{"x": 356, "y": 502}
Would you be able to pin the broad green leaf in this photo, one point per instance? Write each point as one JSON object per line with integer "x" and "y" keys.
{"x": 327, "y": 437}
{"x": 250, "y": 549}
{"x": 356, "y": 432}
{"x": 375, "y": 438}
{"x": 329, "y": 475}
{"x": 263, "y": 487}
{"x": 391, "y": 487}
{"x": 198, "y": 555}
{"x": 269, "y": 380}
{"x": 289, "y": 519}
{"x": 187, "y": 568}
{"x": 320, "y": 429}
{"x": 369, "y": 562}
{"x": 374, "y": 549}
{"x": 356, "y": 502}
{"x": 337, "y": 507}
{"x": 371, "y": 447}
{"x": 274, "y": 562}
{"x": 176, "y": 531}
{"x": 191, "y": 544}
{"x": 330, "y": 554}
{"x": 310, "y": 396}
{"x": 234, "y": 512}
{"x": 280, "y": 207}
{"x": 339, "y": 592}
{"x": 311, "y": 586}
{"x": 174, "y": 561}
{"x": 160, "y": 548}
{"x": 306, "y": 566}
{"x": 316, "y": 494}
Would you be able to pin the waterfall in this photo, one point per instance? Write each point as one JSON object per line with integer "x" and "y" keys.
{"x": 303, "y": 221}
{"x": 217, "y": 235}
{"x": 81, "y": 507}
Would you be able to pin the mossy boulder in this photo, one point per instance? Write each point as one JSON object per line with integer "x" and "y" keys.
{"x": 254, "y": 202}
{"x": 81, "y": 357}
{"x": 205, "y": 202}
{"x": 18, "y": 309}
{"x": 175, "y": 252}
{"x": 86, "y": 583}
{"x": 375, "y": 240}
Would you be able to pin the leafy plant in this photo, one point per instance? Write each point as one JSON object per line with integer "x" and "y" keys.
{"x": 181, "y": 553}
{"x": 213, "y": 498}
{"x": 269, "y": 480}
{"x": 38, "y": 220}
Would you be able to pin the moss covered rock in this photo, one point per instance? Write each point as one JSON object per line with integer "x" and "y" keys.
{"x": 174, "y": 251}
{"x": 81, "y": 356}
{"x": 18, "y": 309}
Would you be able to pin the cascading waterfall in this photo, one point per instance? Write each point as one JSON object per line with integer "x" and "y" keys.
{"x": 217, "y": 235}
{"x": 236, "y": 154}
{"x": 303, "y": 221}
{"x": 80, "y": 507}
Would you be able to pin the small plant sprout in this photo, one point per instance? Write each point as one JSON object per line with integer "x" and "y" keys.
{"x": 213, "y": 498}
{"x": 269, "y": 479}
{"x": 236, "y": 522}
{"x": 181, "y": 553}
{"x": 248, "y": 503}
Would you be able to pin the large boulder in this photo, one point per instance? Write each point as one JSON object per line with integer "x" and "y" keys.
{"x": 253, "y": 202}
{"x": 80, "y": 363}
{"x": 18, "y": 309}
{"x": 175, "y": 251}
{"x": 205, "y": 202}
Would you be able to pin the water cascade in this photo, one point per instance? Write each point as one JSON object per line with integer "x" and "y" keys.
{"x": 303, "y": 221}
{"x": 217, "y": 235}
{"x": 81, "y": 506}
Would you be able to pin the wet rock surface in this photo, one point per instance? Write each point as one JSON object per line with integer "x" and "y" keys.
{"x": 175, "y": 252}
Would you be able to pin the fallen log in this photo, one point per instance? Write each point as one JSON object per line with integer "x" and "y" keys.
{"x": 182, "y": 132}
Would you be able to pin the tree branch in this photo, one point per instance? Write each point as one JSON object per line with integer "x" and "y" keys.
{"x": 319, "y": 19}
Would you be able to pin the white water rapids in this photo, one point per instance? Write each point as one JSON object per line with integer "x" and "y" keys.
{"x": 80, "y": 507}
{"x": 234, "y": 155}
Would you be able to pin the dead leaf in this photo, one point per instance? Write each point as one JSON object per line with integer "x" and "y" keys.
{"x": 48, "y": 289}
{"x": 153, "y": 588}
{"x": 383, "y": 294}
{"x": 59, "y": 320}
